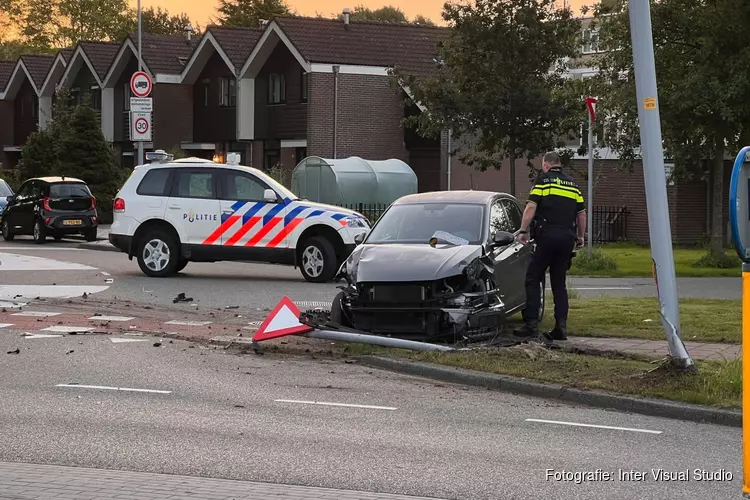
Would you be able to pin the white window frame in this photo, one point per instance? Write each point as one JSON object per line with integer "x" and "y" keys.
{"x": 593, "y": 41}
{"x": 669, "y": 173}
{"x": 276, "y": 88}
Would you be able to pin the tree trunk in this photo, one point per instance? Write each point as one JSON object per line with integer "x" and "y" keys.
{"x": 717, "y": 202}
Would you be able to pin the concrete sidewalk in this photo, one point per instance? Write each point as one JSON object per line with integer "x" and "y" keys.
{"x": 31, "y": 482}
{"x": 657, "y": 348}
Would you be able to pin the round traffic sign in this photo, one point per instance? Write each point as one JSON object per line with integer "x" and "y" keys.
{"x": 140, "y": 84}
{"x": 141, "y": 125}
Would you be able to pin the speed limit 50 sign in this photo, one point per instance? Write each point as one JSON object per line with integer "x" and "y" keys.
{"x": 140, "y": 126}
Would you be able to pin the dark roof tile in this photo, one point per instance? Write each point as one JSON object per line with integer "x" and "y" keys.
{"x": 38, "y": 66}
{"x": 101, "y": 55}
{"x": 237, "y": 43}
{"x": 6, "y": 70}
{"x": 165, "y": 53}
{"x": 67, "y": 53}
{"x": 408, "y": 46}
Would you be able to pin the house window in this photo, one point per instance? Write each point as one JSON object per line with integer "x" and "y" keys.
{"x": 96, "y": 99}
{"x": 276, "y": 89}
{"x": 227, "y": 92}
{"x": 126, "y": 95}
{"x": 305, "y": 86}
{"x": 669, "y": 173}
{"x": 591, "y": 41}
{"x": 272, "y": 158}
{"x": 205, "y": 95}
{"x": 300, "y": 154}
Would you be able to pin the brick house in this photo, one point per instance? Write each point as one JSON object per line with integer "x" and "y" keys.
{"x": 211, "y": 73}
{"x": 164, "y": 57}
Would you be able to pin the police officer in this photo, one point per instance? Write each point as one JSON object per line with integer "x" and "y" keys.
{"x": 557, "y": 209}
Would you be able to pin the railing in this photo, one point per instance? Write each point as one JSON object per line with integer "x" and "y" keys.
{"x": 609, "y": 224}
{"x": 372, "y": 211}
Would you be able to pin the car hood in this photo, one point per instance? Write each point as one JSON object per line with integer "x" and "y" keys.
{"x": 329, "y": 208}
{"x": 401, "y": 263}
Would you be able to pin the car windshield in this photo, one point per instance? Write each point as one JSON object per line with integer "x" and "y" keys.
{"x": 5, "y": 189}
{"x": 418, "y": 223}
{"x": 69, "y": 190}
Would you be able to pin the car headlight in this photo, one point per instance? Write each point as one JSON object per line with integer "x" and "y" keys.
{"x": 472, "y": 270}
{"x": 348, "y": 270}
{"x": 356, "y": 222}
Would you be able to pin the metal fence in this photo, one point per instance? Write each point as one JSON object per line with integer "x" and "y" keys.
{"x": 372, "y": 211}
{"x": 609, "y": 224}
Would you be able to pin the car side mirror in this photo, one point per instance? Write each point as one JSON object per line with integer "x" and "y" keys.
{"x": 359, "y": 238}
{"x": 269, "y": 196}
{"x": 503, "y": 238}
{"x": 10, "y": 199}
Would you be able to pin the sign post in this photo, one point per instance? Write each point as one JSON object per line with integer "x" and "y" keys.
{"x": 141, "y": 86}
{"x": 591, "y": 106}
{"x": 655, "y": 181}
{"x": 739, "y": 220}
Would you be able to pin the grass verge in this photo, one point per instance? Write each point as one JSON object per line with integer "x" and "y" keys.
{"x": 629, "y": 260}
{"x": 701, "y": 320}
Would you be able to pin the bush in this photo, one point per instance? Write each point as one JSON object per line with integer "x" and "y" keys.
{"x": 599, "y": 261}
{"x": 724, "y": 261}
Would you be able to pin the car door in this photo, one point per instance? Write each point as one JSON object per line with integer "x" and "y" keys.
{"x": 507, "y": 259}
{"x": 193, "y": 207}
{"x": 249, "y": 222}
{"x": 523, "y": 252}
{"x": 19, "y": 213}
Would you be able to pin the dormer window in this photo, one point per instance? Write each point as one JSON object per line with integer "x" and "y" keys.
{"x": 276, "y": 89}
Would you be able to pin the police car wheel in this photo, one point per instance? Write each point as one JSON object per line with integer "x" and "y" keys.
{"x": 317, "y": 260}
{"x": 7, "y": 232}
{"x": 157, "y": 254}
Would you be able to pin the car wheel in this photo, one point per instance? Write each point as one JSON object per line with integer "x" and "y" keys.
{"x": 181, "y": 265}
{"x": 40, "y": 232}
{"x": 7, "y": 231}
{"x": 318, "y": 260}
{"x": 338, "y": 315}
{"x": 90, "y": 234}
{"x": 158, "y": 254}
{"x": 543, "y": 302}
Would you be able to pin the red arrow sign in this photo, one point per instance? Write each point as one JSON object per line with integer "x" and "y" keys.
{"x": 591, "y": 105}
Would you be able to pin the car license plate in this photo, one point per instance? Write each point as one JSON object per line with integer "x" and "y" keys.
{"x": 72, "y": 222}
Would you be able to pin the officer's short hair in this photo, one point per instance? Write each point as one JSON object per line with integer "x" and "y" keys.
{"x": 552, "y": 158}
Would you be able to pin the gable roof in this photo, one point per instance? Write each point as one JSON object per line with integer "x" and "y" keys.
{"x": 57, "y": 69}
{"x": 67, "y": 53}
{"x": 38, "y": 67}
{"x": 234, "y": 46}
{"x": 162, "y": 53}
{"x": 412, "y": 47}
{"x": 97, "y": 56}
{"x": 6, "y": 70}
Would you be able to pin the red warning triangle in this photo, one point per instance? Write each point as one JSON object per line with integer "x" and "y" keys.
{"x": 283, "y": 320}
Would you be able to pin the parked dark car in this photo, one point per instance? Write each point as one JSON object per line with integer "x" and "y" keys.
{"x": 51, "y": 206}
{"x": 437, "y": 266}
{"x": 5, "y": 191}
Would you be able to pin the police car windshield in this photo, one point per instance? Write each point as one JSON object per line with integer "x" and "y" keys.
{"x": 419, "y": 222}
{"x": 5, "y": 190}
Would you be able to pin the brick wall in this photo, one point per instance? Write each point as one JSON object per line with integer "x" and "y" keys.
{"x": 369, "y": 118}
{"x": 171, "y": 101}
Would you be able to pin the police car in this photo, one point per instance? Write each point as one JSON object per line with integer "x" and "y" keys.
{"x": 171, "y": 212}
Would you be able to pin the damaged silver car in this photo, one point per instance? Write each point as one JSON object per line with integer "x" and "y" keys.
{"x": 437, "y": 266}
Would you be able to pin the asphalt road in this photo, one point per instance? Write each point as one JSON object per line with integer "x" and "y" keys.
{"x": 253, "y": 285}
{"x": 220, "y": 415}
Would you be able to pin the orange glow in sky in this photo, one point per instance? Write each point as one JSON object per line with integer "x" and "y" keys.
{"x": 203, "y": 11}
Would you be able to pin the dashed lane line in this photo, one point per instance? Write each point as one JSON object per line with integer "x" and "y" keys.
{"x": 188, "y": 323}
{"x": 67, "y": 329}
{"x": 104, "y": 387}
{"x": 37, "y": 314}
{"x": 111, "y": 318}
{"x": 576, "y": 424}
{"x": 347, "y": 405}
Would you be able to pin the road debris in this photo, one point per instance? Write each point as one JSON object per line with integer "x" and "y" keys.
{"x": 109, "y": 280}
{"x": 181, "y": 298}
{"x": 70, "y": 352}
{"x": 157, "y": 344}
{"x": 231, "y": 307}
{"x": 17, "y": 351}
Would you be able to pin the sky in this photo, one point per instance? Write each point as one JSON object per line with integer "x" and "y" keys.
{"x": 202, "y": 11}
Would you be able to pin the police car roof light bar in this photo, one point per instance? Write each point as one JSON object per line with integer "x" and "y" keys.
{"x": 159, "y": 156}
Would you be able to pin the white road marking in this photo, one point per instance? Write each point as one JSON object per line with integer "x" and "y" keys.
{"x": 113, "y": 388}
{"x": 40, "y": 336}
{"x": 48, "y": 291}
{"x": 16, "y": 262}
{"x": 188, "y": 323}
{"x": 12, "y": 305}
{"x": 595, "y": 426}
{"x": 255, "y": 323}
{"x": 313, "y": 304}
{"x": 104, "y": 273}
{"x": 36, "y": 314}
{"x": 67, "y": 329}
{"x": 111, "y": 318}
{"x": 5, "y": 325}
{"x": 120, "y": 341}
{"x": 52, "y": 249}
{"x": 323, "y": 403}
{"x": 599, "y": 288}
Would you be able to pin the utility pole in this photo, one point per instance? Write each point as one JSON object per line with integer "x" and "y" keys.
{"x": 590, "y": 103}
{"x": 140, "y": 68}
{"x": 656, "y": 185}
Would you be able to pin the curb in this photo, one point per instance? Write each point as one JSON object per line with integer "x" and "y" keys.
{"x": 598, "y": 399}
{"x": 102, "y": 246}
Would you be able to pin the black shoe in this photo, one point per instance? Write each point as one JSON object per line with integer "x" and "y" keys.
{"x": 556, "y": 333}
{"x": 526, "y": 331}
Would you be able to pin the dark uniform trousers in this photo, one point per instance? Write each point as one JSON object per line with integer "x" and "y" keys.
{"x": 553, "y": 251}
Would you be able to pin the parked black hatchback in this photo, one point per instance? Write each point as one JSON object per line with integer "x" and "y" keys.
{"x": 51, "y": 206}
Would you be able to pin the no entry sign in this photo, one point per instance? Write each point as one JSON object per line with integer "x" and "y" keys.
{"x": 140, "y": 84}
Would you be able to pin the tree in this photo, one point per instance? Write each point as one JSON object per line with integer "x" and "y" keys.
{"x": 63, "y": 23}
{"x": 159, "y": 22}
{"x": 420, "y": 19}
{"x": 703, "y": 83}
{"x": 250, "y": 13}
{"x": 498, "y": 77}
{"x": 386, "y": 14}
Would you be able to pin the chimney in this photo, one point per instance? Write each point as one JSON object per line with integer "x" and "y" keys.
{"x": 347, "y": 13}
{"x": 263, "y": 23}
{"x": 188, "y": 32}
